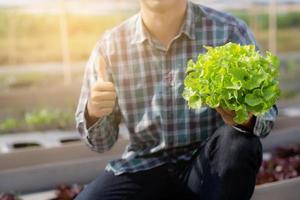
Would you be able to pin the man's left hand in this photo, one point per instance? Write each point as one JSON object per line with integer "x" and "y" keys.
{"x": 228, "y": 116}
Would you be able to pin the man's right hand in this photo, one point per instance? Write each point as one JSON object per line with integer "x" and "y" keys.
{"x": 102, "y": 96}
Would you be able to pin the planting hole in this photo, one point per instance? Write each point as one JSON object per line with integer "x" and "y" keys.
{"x": 69, "y": 140}
{"x": 25, "y": 145}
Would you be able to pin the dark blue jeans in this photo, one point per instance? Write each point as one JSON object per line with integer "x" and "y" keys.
{"x": 224, "y": 168}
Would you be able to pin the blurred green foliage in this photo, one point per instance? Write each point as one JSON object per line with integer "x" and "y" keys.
{"x": 39, "y": 120}
{"x": 37, "y": 36}
{"x": 8, "y": 124}
{"x": 22, "y": 80}
{"x": 289, "y": 20}
{"x": 284, "y": 20}
{"x": 289, "y": 80}
{"x": 42, "y": 117}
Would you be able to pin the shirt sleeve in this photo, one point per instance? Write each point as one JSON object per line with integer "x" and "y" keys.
{"x": 241, "y": 34}
{"x": 102, "y": 135}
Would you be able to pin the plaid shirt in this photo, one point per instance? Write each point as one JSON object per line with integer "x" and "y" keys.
{"x": 149, "y": 84}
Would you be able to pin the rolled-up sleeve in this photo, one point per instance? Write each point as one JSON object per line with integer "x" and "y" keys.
{"x": 241, "y": 34}
{"x": 102, "y": 135}
{"x": 265, "y": 123}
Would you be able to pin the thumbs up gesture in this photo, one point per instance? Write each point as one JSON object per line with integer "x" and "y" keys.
{"x": 102, "y": 96}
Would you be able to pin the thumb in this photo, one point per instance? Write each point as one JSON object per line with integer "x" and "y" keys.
{"x": 102, "y": 75}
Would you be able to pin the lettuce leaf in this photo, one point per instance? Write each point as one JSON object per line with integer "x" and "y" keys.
{"x": 235, "y": 77}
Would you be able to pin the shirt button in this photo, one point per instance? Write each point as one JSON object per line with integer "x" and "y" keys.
{"x": 169, "y": 78}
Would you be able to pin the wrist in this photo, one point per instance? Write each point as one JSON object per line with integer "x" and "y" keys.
{"x": 249, "y": 125}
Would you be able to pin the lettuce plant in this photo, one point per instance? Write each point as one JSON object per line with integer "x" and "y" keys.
{"x": 234, "y": 77}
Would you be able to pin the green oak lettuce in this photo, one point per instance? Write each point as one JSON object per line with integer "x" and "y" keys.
{"x": 234, "y": 77}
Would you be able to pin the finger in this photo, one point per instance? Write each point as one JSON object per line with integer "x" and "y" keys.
{"x": 221, "y": 111}
{"x": 103, "y": 112}
{"x": 104, "y": 104}
{"x": 228, "y": 119}
{"x": 102, "y": 75}
{"x": 102, "y": 96}
{"x": 229, "y": 112}
{"x": 229, "y": 122}
{"x": 225, "y": 112}
{"x": 104, "y": 86}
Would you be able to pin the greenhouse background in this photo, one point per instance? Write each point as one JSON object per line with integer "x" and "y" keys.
{"x": 44, "y": 45}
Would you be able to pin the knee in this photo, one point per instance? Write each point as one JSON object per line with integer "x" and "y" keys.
{"x": 239, "y": 142}
{"x": 99, "y": 188}
{"x": 239, "y": 150}
{"x": 246, "y": 143}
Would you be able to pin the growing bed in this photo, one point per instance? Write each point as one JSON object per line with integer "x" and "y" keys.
{"x": 38, "y": 170}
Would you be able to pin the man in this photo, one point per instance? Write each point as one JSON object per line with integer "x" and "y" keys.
{"x": 135, "y": 74}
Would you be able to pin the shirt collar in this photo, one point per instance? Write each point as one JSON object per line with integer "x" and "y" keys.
{"x": 188, "y": 27}
{"x": 140, "y": 32}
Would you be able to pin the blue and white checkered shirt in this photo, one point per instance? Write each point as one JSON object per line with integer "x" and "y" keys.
{"x": 149, "y": 85}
